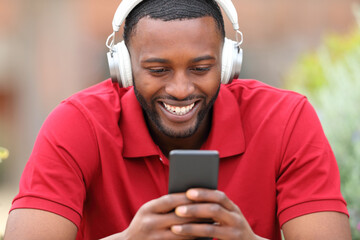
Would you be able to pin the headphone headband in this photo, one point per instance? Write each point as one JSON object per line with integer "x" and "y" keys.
{"x": 119, "y": 57}
{"x": 123, "y": 10}
{"x": 126, "y": 6}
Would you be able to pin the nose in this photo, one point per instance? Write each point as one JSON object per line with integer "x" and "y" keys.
{"x": 180, "y": 86}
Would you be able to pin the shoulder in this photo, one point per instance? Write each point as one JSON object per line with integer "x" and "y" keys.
{"x": 99, "y": 104}
{"x": 83, "y": 122}
{"x": 102, "y": 97}
{"x": 249, "y": 89}
{"x": 256, "y": 99}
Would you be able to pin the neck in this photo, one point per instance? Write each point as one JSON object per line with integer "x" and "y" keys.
{"x": 195, "y": 141}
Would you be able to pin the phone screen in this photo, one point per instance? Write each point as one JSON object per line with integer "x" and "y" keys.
{"x": 193, "y": 169}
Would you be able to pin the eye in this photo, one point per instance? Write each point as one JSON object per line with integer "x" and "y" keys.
{"x": 200, "y": 69}
{"x": 158, "y": 70}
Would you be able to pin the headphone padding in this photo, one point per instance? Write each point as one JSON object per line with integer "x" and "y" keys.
{"x": 227, "y": 57}
{"x": 124, "y": 65}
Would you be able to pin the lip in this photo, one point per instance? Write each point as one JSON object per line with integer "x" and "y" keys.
{"x": 179, "y": 118}
{"x": 178, "y": 103}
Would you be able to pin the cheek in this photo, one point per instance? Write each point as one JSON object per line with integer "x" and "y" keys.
{"x": 146, "y": 86}
{"x": 211, "y": 85}
{"x": 214, "y": 91}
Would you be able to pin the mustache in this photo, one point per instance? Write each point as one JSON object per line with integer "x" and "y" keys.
{"x": 169, "y": 97}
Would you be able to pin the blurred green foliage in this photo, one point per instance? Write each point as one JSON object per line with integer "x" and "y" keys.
{"x": 330, "y": 78}
{"x": 4, "y": 153}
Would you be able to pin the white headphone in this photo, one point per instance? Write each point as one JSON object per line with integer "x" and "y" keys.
{"x": 119, "y": 57}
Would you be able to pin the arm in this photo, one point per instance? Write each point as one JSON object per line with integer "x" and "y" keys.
{"x": 152, "y": 221}
{"x": 231, "y": 224}
{"x": 33, "y": 224}
{"x": 53, "y": 179}
{"x": 321, "y": 225}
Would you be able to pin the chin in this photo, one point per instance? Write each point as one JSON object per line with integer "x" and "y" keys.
{"x": 178, "y": 133}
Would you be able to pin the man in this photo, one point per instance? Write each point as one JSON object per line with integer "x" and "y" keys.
{"x": 99, "y": 167}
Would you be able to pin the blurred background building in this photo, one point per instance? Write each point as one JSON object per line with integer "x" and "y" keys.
{"x": 51, "y": 49}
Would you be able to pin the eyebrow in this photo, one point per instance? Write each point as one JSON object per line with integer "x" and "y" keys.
{"x": 156, "y": 60}
{"x": 202, "y": 58}
{"x": 162, "y": 60}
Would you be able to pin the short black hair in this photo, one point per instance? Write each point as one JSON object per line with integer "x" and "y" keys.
{"x": 168, "y": 10}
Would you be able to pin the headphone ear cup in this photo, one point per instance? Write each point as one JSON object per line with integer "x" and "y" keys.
{"x": 120, "y": 65}
{"x": 231, "y": 61}
{"x": 113, "y": 61}
{"x": 124, "y": 65}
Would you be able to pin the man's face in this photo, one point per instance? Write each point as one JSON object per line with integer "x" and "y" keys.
{"x": 176, "y": 68}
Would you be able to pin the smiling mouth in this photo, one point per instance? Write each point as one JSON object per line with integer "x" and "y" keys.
{"x": 179, "y": 110}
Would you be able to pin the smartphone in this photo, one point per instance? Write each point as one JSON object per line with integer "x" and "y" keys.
{"x": 193, "y": 169}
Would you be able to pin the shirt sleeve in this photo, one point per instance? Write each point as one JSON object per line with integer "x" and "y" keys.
{"x": 308, "y": 179}
{"x": 55, "y": 176}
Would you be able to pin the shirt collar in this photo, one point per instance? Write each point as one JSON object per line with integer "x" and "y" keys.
{"x": 136, "y": 136}
{"x": 226, "y": 135}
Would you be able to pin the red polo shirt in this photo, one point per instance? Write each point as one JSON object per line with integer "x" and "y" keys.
{"x": 95, "y": 163}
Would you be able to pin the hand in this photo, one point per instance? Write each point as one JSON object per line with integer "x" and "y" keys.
{"x": 212, "y": 204}
{"x": 155, "y": 218}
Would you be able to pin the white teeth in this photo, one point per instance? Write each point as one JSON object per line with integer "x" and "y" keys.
{"x": 179, "y": 110}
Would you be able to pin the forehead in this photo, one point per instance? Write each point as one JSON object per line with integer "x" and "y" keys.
{"x": 158, "y": 33}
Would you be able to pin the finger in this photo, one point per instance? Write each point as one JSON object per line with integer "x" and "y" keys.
{"x": 169, "y": 219}
{"x": 207, "y": 230}
{"x": 215, "y": 196}
{"x": 208, "y": 211}
{"x": 150, "y": 223}
{"x": 165, "y": 203}
{"x": 168, "y": 234}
